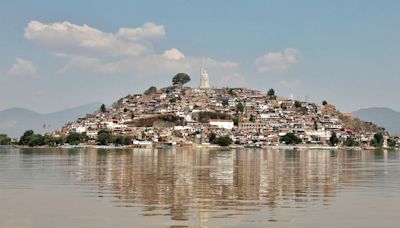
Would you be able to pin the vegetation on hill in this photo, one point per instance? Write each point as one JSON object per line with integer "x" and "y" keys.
{"x": 150, "y": 90}
{"x": 204, "y": 117}
{"x": 160, "y": 120}
{"x": 358, "y": 125}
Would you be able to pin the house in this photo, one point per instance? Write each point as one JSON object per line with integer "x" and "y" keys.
{"x": 225, "y": 124}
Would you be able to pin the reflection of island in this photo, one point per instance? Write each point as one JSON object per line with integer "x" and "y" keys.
{"x": 185, "y": 182}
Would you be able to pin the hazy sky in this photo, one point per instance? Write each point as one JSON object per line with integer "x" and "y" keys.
{"x": 60, "y": 54}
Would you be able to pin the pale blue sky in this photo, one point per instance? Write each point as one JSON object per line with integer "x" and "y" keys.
{"x": 347, "y": 52}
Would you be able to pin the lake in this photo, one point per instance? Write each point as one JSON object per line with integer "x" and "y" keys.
{"x": 198, "y": 188}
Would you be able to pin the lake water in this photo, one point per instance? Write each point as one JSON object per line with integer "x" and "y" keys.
{"x": 198, "y": 188}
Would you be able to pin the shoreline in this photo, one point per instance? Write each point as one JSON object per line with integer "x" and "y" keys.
{"x": 206, "y": 146}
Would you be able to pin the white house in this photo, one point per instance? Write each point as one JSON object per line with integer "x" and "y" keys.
{"x": 226, "y": 124}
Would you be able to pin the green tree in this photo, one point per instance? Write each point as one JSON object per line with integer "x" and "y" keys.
{"x": 122, "y": 140}
{"x": 212, "y": 137}
{"x": 378, "y": 139}
{"x": 4, "y": 139}
{"x": 271, "y": 94}
{"x": 350, "y": 142}
{"x": 104, "y": 137}
{"x": 291, "y": 138}
{"x": 118, "y": 140}
{"x": 36, "y": 140}
{"x": 324, "y": 103}
{"x": 223, "y": 141}
{"x": 252, "y": 118}
{"x": 239, "y": 108}
{"x": 391, "y": 142}
{"x": 235, "y": 121}
{"x": 103, "y": 108}
{"x": 333, "y": 140}
{"x": 127, "y": 140}
{"x": 180, "y": 79}
{"x": 49, "y": 140}
{"x": 297, "y": 104}
{"x": 26, "y": 137}
{"x": 75, "y": 138}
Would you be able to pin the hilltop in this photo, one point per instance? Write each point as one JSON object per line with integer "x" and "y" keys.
{"x": 184, "y": 115}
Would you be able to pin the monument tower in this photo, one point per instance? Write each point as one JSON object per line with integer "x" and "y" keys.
{"x": 204, "y": 82}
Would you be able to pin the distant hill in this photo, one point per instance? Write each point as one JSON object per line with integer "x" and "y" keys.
{"x": 385, "y": 117}
{"x": 15, "y": 121}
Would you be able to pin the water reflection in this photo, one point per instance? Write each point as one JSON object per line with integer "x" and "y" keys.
{"x": 183, "y": 185}
{"x": 219, "y": 183}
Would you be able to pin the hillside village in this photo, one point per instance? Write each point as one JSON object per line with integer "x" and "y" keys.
{"x": 184, "y": 116}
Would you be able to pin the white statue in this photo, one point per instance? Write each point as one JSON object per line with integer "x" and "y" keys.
{"x": 204, "y": 82}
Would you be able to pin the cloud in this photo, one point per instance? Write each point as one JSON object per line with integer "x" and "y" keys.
{"x": 277, "y": 61}
{"x": 127, "y": 52}
{"x": 80, "y": 63}
{"x": 173, "y": 54}
{"x": 70, "y": 39}
{"x": 22, "y": 67}
{"x": 291, "y": 84}
{"x": 152, "y": 66}
{"x": 149, "y": 31}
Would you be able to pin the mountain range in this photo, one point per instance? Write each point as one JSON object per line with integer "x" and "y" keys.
{"x": 384, "y": 117}
{"x": 15, "y": 121}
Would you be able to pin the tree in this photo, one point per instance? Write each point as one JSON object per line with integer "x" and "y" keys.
{"x": 271, "y": 94}
{"x": 239, "y": 108}
{"x": 4, "y": 139}
{"x": 235, "y": 121}
{"x": 49, "y": 140}
{"x": 150, "y": 90}
{"x": 324, "y": 103}
{"x": 350, "y": 142}
{"x": 127, "y": 140}
{"x": 212, "y": 137}
{"x": 297, "y": 104}
{"x": 122, "y": 140}
{"x": 291, "y": 138}
{"x": 36, "y": 140}
{"x": 225, "y": 102}
{"x": 223, "y": 141}
{"x": 104, "y": 137}
{"x": 103, "y": 108}
{"x": 76, "y": 138}
{"x": 180, "y": 79}
{"x": 391, "y": 142}
{"x": 252, "y": 118}
{"x": 26, "y": 137}
{"x": 333, "y": 140}
{"x": 378, "y": 139}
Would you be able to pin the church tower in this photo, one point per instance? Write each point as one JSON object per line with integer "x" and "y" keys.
{"x": 204, "y": 82}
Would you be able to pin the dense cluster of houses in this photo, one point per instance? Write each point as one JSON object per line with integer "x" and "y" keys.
{"x": 247, "y": 116}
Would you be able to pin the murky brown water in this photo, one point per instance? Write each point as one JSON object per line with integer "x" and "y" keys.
{"x": 198, "y": 188}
